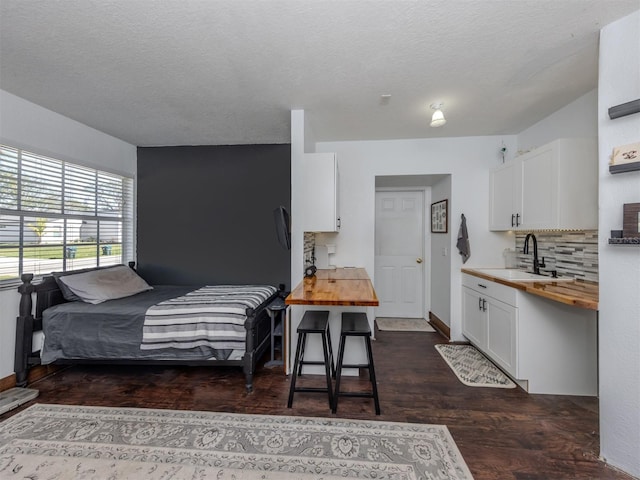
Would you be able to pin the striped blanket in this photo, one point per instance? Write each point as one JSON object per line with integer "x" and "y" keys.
{"x": 212, "y": 316}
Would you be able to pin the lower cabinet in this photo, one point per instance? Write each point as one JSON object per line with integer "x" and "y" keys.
{"x": 489, "y": 323}
{"x": 502, "y": 324}
{"x": 546, "y": 346}
{"x": 474, "y": 318}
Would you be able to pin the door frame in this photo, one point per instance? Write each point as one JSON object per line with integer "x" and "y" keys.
{"x": 426, "y": 241}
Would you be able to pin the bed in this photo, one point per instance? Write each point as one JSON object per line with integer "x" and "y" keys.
{"x": 212, "y": 325}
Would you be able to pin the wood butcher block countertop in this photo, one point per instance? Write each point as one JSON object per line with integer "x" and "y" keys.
{"x": 578, "y": 293}
{"x": 340, "y": 286}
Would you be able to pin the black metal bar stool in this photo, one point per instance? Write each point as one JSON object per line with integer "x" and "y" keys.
{"x": 313, "y": 321}
{"x": 355, "y": 324}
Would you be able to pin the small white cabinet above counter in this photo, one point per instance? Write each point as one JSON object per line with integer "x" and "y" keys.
{"x": 321, "y": 193}
{"x": 546, "y": 346}
{"x": 554, "y": 186}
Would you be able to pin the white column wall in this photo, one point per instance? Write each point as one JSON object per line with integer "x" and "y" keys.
{"x": 442, "y": 256}
{"x": 619, "y": 318}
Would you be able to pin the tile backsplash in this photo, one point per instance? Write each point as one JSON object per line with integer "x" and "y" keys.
{"x": 572, "y": 254}
{"x": 309, "y": 248}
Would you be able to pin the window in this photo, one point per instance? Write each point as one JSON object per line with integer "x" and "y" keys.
{"x": 55, "y": 215}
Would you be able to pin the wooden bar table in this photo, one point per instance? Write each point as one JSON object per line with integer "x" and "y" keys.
{"x": 340, "y": 286}
{"x": 337, "y": 287}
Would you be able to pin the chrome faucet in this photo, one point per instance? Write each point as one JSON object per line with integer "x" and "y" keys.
{"x": 536, "y": 263}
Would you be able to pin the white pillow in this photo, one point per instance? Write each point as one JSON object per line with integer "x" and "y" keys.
{"x": 99, "y": 286}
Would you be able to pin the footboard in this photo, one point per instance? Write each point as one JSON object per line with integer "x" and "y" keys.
{"x": 47, "y": 295}
{"x": 258, "y": 327}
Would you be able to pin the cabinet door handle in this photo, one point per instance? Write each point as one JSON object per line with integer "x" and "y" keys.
{"x": 479, "y": 303}
{"x": 339, "y": 223}
{"x": 517, "y": 219}
{"x": 513, "y": 216}
{"x": 482, "y": 286}
{"x": 484, "y": 305}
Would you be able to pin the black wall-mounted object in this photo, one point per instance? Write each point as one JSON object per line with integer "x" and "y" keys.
{"x": 624, "y": 109}
{"x": 283, "y": 227}
{"x": 205, "y": 214}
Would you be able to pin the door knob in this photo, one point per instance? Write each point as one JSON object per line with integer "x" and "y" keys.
{"x": 418, "y": 260}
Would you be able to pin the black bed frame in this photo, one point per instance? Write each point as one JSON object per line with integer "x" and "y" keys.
{"x": 257, "y": 325}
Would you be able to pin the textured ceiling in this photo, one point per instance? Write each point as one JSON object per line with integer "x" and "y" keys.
{"x": 196, "y": 72}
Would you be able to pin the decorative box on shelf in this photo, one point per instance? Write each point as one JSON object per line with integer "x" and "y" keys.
{"x": 625, "y": 158}
{"x": 630, "y": 234}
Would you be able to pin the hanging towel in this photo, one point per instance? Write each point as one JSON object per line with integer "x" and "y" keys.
{"x": 463, "y": 240}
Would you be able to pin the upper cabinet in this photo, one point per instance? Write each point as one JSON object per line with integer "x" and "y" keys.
{"x": 505, "y": 188}
{"x": 321, "y": 193}
{"x": 552, "y": 187}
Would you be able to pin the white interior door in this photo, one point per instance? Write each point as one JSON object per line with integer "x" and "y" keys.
{"x": 399, "y": 270}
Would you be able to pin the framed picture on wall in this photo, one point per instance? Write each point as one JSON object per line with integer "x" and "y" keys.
{"x": 439, "y": 217}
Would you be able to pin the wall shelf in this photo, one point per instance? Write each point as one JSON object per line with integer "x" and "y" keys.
{"x": 625, "y": 167}
{"x": 624, "y": 109}
{"x": 625, "y": 241}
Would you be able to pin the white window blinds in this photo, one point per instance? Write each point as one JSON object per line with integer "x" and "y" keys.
{"x": 56, "y": 215}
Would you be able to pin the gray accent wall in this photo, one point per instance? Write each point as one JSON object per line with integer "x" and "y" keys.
{"x": 205, "y": 214}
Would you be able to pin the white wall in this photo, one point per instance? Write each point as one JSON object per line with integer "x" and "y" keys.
{"x": 26, "y": 125}
{"x": 579, "y": 119}
{"x": 442, "y": 254}
{"x": 467, "y": 159}
{"x": 619, "y": 319}
{"x": 29, "y": 126}
{"x": 298, "y": 150}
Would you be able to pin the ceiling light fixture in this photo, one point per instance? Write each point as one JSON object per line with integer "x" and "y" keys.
{"x": 437, "y": 120}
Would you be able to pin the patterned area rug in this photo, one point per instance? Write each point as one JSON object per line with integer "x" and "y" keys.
{"x": 472, "y": 367}
{"x": 404, "y": 324}
{"x": 57, "y": 441}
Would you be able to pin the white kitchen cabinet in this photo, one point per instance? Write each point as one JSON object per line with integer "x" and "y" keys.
{"x": 552, "y": 187}
{"x": 505, "y": 210}
{"x": 474, "y": 319}
{"x": 545, "y": 346}
{"x": 490, "y": 320}
{"x": 502, "y": 326}
{"x": 321, "y": 193}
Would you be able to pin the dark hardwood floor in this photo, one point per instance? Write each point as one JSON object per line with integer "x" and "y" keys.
{"x": 501, "y": 433}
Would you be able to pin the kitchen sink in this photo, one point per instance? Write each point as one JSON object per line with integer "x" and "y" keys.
{"x": 520, "y": 275}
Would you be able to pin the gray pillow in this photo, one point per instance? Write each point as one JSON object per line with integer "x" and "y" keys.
{"x": 98, "y": 286}
{"x": 66, "y": 291}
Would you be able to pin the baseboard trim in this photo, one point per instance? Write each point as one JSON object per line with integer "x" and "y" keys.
{"x": 439, "y": 325}
{"x": 40, "y": 371}
{"x": 7, "y": 382}
{"x": 35, "y": 373}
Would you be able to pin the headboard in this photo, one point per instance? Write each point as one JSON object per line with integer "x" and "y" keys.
{"x": 48, "y": 294}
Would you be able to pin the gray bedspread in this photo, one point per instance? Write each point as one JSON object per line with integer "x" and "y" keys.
{"x": 113, "y": 330}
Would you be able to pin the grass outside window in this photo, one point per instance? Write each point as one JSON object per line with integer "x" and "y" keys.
{"x": 57, "y": 251}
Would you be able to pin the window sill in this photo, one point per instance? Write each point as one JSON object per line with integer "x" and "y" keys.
{"x": 14, "y": 284}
